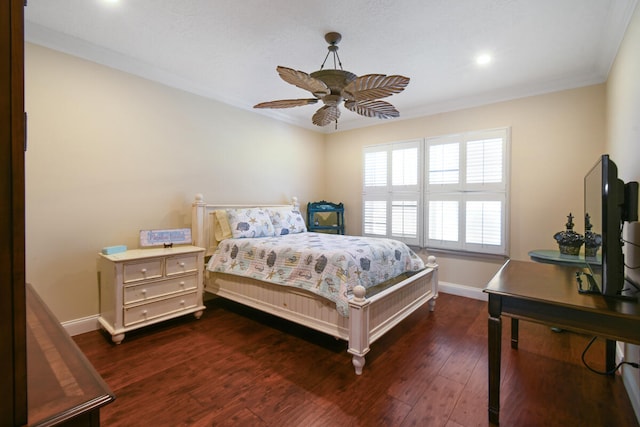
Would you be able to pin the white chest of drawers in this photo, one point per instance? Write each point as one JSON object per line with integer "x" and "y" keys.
{"x": 141, "y": 287}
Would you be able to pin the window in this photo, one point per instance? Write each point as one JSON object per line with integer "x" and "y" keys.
{"x": 459, "y": 203}
{"x": 391, "y": 193}
{"x": 466, "y": 191}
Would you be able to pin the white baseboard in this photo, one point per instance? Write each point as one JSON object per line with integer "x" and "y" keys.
{"x": 462, "y": 290}
{"x": 631, "y": 385}
{"x": 80, "y": 326}
{"x": 630, "y": 377}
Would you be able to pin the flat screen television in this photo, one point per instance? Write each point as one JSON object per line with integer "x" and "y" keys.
{"x": 608, "y": 203}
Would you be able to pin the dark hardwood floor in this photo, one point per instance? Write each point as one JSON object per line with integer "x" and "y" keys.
{"x": 238, "y": 367}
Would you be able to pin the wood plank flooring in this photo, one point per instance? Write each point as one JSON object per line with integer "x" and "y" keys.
{"x": 239, "y": 367}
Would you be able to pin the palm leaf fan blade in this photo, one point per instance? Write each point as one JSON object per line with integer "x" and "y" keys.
{"x": 304, "y": 81}
{"x": 374, "y": 86}
{"x": 373, "y": 108}
{"x": 286, "y": 103}
{"x": 326, "y": 115}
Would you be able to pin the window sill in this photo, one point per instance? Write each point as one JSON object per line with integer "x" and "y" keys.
{"x": 462, "y": 254}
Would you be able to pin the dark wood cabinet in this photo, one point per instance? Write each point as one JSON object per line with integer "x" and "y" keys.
{"x": 13, "y": 359}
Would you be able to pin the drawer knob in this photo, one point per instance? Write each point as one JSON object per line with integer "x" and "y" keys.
{"x": 182, "y": 284}
{"x": 144, "y": 292}
{"x": 144, "y": 313}
{"x": 182, "y": 302}
{"x": 143, "y": 271}
{"x": 182, "y": 264}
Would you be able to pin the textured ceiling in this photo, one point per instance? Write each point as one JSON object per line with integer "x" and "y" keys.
{"x": 228, "y": 49}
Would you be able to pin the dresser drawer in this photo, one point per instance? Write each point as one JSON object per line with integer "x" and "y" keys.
{"x": 146, "y": 312}
{"x": 147, "y": 269}
{"x": 150, "y": 290}
{"x": 182, "y": 264}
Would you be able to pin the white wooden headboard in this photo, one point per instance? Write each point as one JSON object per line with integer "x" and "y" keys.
{"x": 202, "y": 216}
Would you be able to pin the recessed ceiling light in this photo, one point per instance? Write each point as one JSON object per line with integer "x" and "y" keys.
{"x": 483, "y": 59}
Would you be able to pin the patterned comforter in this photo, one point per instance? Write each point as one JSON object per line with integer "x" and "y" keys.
{"x": 326, "y": 264}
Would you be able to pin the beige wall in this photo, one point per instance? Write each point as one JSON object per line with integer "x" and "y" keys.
{"x": 623, "y": 143}
{"x": 623, "y": 105}
{"x": 555, "y": 139}
{"x": 623, "y": 117}
{"x": 110, "y": 154}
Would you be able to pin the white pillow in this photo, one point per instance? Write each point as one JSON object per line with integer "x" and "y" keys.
{"x": 250, "y": 222}
{"x": 287, "y": 221}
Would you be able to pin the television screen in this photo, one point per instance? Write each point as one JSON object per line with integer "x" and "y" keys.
{"x": 606, "y": 211}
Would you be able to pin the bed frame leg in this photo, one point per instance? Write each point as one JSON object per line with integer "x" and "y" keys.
{"x": 358, "y": 363}
{"x": 358, "y": 328}
{"x": 431, "y": 263}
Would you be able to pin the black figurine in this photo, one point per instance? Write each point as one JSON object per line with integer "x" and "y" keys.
{"x": 568, "y": 240}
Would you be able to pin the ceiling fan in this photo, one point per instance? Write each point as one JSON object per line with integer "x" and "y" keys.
{"x": 360, "y": 94}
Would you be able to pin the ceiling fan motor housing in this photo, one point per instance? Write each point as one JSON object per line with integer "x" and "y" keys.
{"x": 336, "y": 80}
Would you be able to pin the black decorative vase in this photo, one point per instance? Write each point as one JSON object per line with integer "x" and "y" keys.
{"x": 569, "y": 241}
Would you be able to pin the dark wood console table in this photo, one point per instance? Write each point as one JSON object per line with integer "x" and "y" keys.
{"x": 547, "y": 293}
{"x": 63, "y": 388}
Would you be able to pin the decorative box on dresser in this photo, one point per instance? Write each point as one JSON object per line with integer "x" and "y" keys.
{"x": 141, "y": 287}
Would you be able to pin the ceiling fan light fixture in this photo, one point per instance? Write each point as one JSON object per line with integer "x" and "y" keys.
{"x": 332, "y": 86}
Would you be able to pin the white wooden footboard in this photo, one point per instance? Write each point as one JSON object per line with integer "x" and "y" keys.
{"x": 370, "y": 318}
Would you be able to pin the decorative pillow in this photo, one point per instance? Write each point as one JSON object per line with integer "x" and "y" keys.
{"x": 221, "y": 227}
{"x": 287, "y": 221}
{"x": 250, "y": 222}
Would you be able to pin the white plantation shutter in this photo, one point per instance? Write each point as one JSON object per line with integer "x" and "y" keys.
{"x": 485, "y": 223}
{"x": 375, "y": 217}
{"x": 404, "y": 219}
{"x": 375, "y": 171}
{"x": 444, "y": 223}
{"x": 484, "y": 161}
{"x": 466, "y": 192}
{"x": 459, "y": 203}
{"x": 391, "y": 191}
{"x": 404, "y": 167}
{"x": 444, "y": 164}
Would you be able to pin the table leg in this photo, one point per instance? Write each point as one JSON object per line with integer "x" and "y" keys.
{"x": 610, "y": 355}
{"x": 495, "y": 348}
{"x": 514, "y": 333}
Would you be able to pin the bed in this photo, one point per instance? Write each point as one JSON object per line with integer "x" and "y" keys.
{"x": 359, "y": 315}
